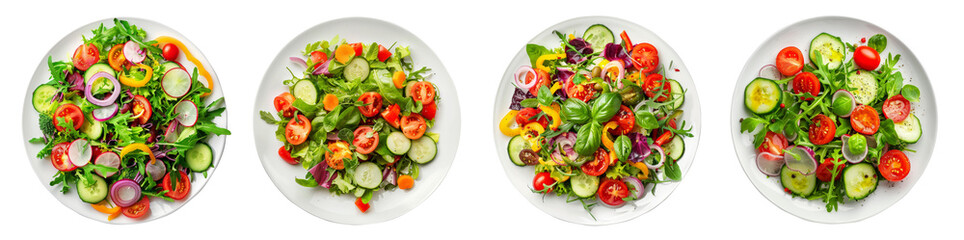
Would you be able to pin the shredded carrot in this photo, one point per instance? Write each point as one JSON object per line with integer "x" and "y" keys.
{"x": 405, "y": 182}
{"x": 161, "y": 40}
{"x": 344, "y": 53}
{"x": 330, "y": 101}
{"x": 399, "y": 79}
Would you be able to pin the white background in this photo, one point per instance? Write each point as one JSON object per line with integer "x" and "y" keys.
{"x": 476, "y": 40}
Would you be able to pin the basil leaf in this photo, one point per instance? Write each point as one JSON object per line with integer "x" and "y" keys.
{"x": 605, "y": 107}
{"x": 878, "y": 42}
{"x": 534, "y": 51}
{"x": 588, "y": 138}
{"x": 545, "y": 97}
{"x": 622, "y": 147}
{"x": 383, "y": 79}
{"x": 575, "y": 110}
{"x": 529, "y": 103}
{"x": 888, "y": 133}
{"x": 646, "y": 120}
{"x": 672, "y": 170}
{"x": 911, "y": 93}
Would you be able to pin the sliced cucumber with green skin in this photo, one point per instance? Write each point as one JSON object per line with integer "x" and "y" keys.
{"x": 830, "y": 48}
{"x": 397, "y": 143}
{"x": 584, "y": 185}
{"x": 368, "y": 175}
{"x": 92, "y": 192}
{"x": 516, "y": 145}
{"x": 598, "y": 36}
{"x": 908, "y": 130}
{"x": 798, "y": 183}
{"x": 675, "y": 147}
{"x": 200, "y": 157}
{"x": 96, "y": 68}
{"x": 306, "y": 91}
{"x": 357, "y": 69}
{"x": 860, "y": 180}
{"x": 676, "y": 91}
{"x": 171, "y": 65}
{"x": 91, "y": 127}
{"x": 41, "y": 98}
{"x": 863, "y": 85}
{"x": 423, "y": 150}
{"x": 762, "y": 96}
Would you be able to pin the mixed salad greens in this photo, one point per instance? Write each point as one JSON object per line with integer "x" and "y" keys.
{"x": 358, "y": 118}
{"x": 123, "y": 121}
{"x": 575, "y": 98}
{"x": 857, "y": 119}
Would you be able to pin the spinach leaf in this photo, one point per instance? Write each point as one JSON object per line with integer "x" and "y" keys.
{"x": 878, "y": 42}
{"x": 911, "y": 93}
{"x": 383, "y": 79}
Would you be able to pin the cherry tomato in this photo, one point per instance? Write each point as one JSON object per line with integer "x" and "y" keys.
{"x": 58, "y": 157}
{"x": 655, "y": 83}
{"x": 391, "y": 114}
{"x": 428, "y": 111}
{"x": 366, "y": 140}
{"x": 139, "y": 209}
{"x": 337, "y": 155}
{"x": 413, "y": 126}
{"x": 542, "y": 79}
{"x": 528, "y": 115}
{"x": 612, "y": 192}
{"x": 285, "y": 155}
{"x": 542, "y": 180}
{"x": 283, "y": 103}
{"x": 894, "y": 165}
{"x": 823, "y": 170}
{"x": 70, "y": 113}
{"x": 383, "y": 53}
{"x": 142, "y": 109}
{"x": 864, "y": 120}
{"x": 896, "y": 108}
{"x": 170, "y": 52}
{"x": 359, "y": 48}
{"x": 867, "y": 58}
{"x": 317, "y": 58}
{"x": 180, "y": 189}
{"x": 625, "y": 121}
{"x": 773, "y": 143}
{"x": 598, "y": 165}
{"x": 789, "y": 61}
{"x": 85, "y": 56}
{"x": 583, "y": 91}
{"x": 296, "y": 132}
{"x": 374, "y": 101}
{"x": 806, "y": 82}
{"x": 645, "y": 57}
{"x": 362, "y": 206}
{"x": 423, "y": 92}
{"x": 115, "y": 57}
{"x": 822, "y": 130}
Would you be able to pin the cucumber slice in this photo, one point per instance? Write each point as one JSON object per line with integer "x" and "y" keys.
{"x": 676, "y": 91}
{"x": 41, "y": 98}
{"x": 516, "y": 145}
{"x": 908, "y": 130}
{"x": 762, "y": 96}
{"x": 863, "y": 85}
{"x": 423, "y": 150}
{"x": 674, "y": 148}
{"x": 357, "y": 69}
{"x": 306, "y": 91}
{"x": 598, "y": 36}
{"x": 96, "y": 68}
{"x": 167, "y": 66}
{"x": 200, "y": 157}
{"x": 860, "y": 180}
{"x": 584, "y": 185}
{"x": 91, "y": 127}
{"x": 368, "y": 175}
{"x": 92, "y": 192}
{"x": 798, "y": 183}
{"x": 830, "y": 48}
{"x": 397, "y": 143}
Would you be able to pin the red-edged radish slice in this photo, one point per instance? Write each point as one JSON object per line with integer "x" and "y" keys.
{"x": 79, "y": 152}
{"x": 107, "y": 159}
{"x": 156, "y": 170}
{"x": 133, "y": 52}
{"x": 769, "y": 164}
{"x": 186, "y": 113}
{"x": 105, "y": 113}
{"x": 770, "y": 71}
{"x": 800, "y": 159}
{"x": 173, "y": 128}
{"x": 176, "y": 82}
{"x": 851, "y": 156}
{"x": 844, "y": 93}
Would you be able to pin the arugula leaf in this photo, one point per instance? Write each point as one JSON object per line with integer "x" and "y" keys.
{"x": 268, "y": 118}
{"x": 750, "y": 124}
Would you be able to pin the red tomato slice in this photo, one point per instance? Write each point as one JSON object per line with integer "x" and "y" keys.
{"x": 527, "y": 115}
{"x": 806, "y": 82}
{"x": 894, "y": 165}
{"x": 773, "y": 143}
{"x": 115, "y": 57}
{"x": 366, "y": 140}
{"x": 283, "y": 103}
{"x": 180, "y": 189}
{"x": 864, "y": 120}
{"x": 428, "y": 111}
{"x": 139, "y": 209}
{"x": 423, "y": 92}
{"x": 896, "y": 108}
{"x": 374, "y": 101}
{"x": 359, "y": 48}
{"x": 789, "y": 61}
{"x": 58, "y": 157}
{"x": 317, "y": 58}
{"x": 612, "y": 192}
{"x": 391, "y": 114}
{"x": 645, "y": 57}
{"x": 598, "y": 165}
{"x": 541, "y": 180}
{"x": 655, "y": 83}
{"x": 296, "y": 132}
{"x": 85, "y": 56}
{"x": 625, "y": 121}
{"x": 142, "y": 109}
{"x": 70, "y": 113}
{"x": 413, "y": 126}
{"x": 383, "y": 53}
{"x": 823, "y": 170}
{"x": 285, "y": 155}
{"x": 822, "y": 130}
{"x": 542, "y": 79}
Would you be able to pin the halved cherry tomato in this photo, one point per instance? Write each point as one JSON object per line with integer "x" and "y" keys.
{"x": 383, "y": 53}
{"x": 70, "y": 113}
{"x": 85, "y": 56}
{"x": 598, "y": 165}
{"x": 362, "y": 206}
{"x": 391, "y": 115}
{"x": 864, "y": 120}
{"x": 773, "y": 143}
{"x": 528, "y": 115}
{"x": 58, "y": 157}
{"x": 645, "y": 57}
{"x": 296, "y": 132}
{"x": 625, "y": 121}
{"x": 867, "y": 58}
{"x": 822, "y": 130}
{"x": 583, "y": 91}
{"x": 170, "y": 52}
{"x": 541, "y": 78}
{"x": 317, "y": 58}
{"x": 180, "y": 189}
{"x": 423, "y": 92}
{"x": 823, "y": 170}
{"x": 285, "y": 155}
{"x": 366, "y": 140}
{"x": 654, "y": 84}
{"x": 115, "y": 57}
{"x": 894, "y": 165}
{"x": 896, "y": 108}
{"x": 374, "y": 101}
{"x": 612, "y": 192}
{"x": 806, "y": 82}
{"x": 139, "y": 209}
{"x": 428, "y": 111}
{"x": 338, "y": 152}
{"x": 789, "y": 61}
{"x": 359, "y": 48}
{"x": 541, "y": 180}
{"x": 142, "y": 109}
{"x": 413, "y": 126}
{"x": 283, "y": 103}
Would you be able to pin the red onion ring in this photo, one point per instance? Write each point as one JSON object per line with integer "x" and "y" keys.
{"x": 299, "y": 61}
{"x": 125, "y": 193}
{"x": 110, "y": 98}
{"x": 322, "y": 69}
{"x": 770, "y": 71}
{"x": 520, "y": 82}
{"x": 639, "y": 190}
{"x": 662, "y": 157}
{"x": 105, "y": 113}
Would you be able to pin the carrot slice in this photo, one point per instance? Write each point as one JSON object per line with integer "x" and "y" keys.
{"x": 405, "y": 182}
{"x": 399, "y": 79}
{"x": 344, "y": 53}
{"x": 330, "y": 101}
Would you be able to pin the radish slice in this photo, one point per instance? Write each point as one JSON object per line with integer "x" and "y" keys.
{"x": 105, "y": 113}
{"x": 176, "y": 82}
{"x": 107, "y": 159}
{"x": 800, "y": 159}
{"x": 770, "y": 71}
{"x": 522, "y": 74}
{"x": 133, "y": 52}
{"x": 170, "y": 135}
{"x": 844, "y": 93}
{"x": 125, "y": 192}
{"x": 769, "y": 163}
{"x": 638, "y": 189}
{"x": 156, "y": 170}
{"x": 851, "y": 156}
{"x": 79, "y": 152}
{"x": 186, "y": 113}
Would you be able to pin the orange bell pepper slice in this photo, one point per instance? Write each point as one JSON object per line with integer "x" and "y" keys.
{"x": 161, "y": 40}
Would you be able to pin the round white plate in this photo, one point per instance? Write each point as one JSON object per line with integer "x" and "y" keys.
{"x": 521, "y": 177}
{"x": 45, "y": 170}
{"x": 887, "y": 193}
{"x": 385, "y": 205}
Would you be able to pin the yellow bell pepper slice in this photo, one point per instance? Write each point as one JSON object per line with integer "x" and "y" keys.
{"x": 554, "y": 115}
{"x": 187, "y": 54}
{"x": 134, "y": 82}
{"x": 137, "y": 146}
{"x": 555, "y": 87}
{"x": 531, "y": 133}
{"x": 605, "y": 135}
{"x": 506, "y": 124}
{"x": 644, "y": 170}
{"x": 542, "y": 59}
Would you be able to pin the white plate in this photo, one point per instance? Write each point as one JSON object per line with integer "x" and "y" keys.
{"x": 849, "y": 30}
{"x": 385, "y": 205}
{"x": 62, "y": 52}
{"x": 521, "y": 177}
